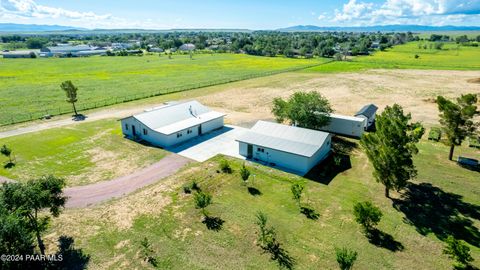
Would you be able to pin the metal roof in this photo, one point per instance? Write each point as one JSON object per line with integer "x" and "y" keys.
{"x": 346, "y": 117}
{"x": 367, "y": 110}
{"x": 69, "y": 48}
{"x": 295, "y": 140}
{"x": 176, "y": 117}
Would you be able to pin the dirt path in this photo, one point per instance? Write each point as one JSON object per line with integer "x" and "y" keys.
{"x": 94, "y": 116}
{"x": 83, "y": 196}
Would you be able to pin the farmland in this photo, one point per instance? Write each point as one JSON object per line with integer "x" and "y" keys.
{"x": 82, "y": 154}
{"x": 111, "y": 233}
{"x": 30, "y": 88}
{"x": 450, "y": 57}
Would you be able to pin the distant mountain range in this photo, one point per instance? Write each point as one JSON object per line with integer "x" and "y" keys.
{"x": 25, "y": 28}
{"x": 14, "y": 27}
{"x": 381, "y": 28}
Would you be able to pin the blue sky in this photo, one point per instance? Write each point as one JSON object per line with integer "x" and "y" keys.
{"x": 268, "y": 14}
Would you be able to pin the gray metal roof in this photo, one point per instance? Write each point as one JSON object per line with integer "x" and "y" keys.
{"x": 295, "y": 140}
{"x": 367, "y": 110}
{"x": 69, "y": 48}
{"x": 172, "y": 118}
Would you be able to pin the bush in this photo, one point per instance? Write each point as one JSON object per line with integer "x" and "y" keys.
{"x": 148, "y": 253}
{"x": 244, "y": 173}
{"x": 457, "y": 250}
{"x": 345, "y": 258}
{"x": 267, "y": 240}
{"x": 297, "y": 190}
{"x": 367, "y": 215}
{"x": 202, "y": 200}
{"x": 225, "y": 166}
{"x": 187, "y": 189}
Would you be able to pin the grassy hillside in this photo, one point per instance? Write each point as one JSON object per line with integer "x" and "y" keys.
{"x": 451, "y": 57}
{"x": 33, "y": 85}
{"x": 413, "y": 224}
{"x": 82, "y": 153}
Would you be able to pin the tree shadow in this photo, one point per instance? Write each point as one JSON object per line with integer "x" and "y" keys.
{"x": 326, "y": 171}
{"x": 254, "y": 191}
{"x": 432, "y": 210}
{"x": 213, "y": 223}
{"x": 79, "y": 117}
{"x": 465, "y": 267}
{"x": 280, "y": 255}
{"x": 384, "y": 240}
{"x": 309, "y": 212}
{"x": 9, "y": 165}
{"x": 73, "y": 258}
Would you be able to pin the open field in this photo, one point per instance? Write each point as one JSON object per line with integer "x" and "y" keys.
{"x": 416, "y": 222}
{"x": 82, "y": 153}
{"x": 32, "y": 86}
{"x": 451, "y": 57}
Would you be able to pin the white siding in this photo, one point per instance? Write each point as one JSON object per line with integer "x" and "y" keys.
{"x": 162, "y": 140}
{"x": 345, "y": 127}
{"x": 288, "y": 161}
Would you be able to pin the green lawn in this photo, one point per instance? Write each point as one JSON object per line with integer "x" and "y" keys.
{"x": 111, "y": 233}
{"x": 82, "y": 153}
{"x": 32, "y": 86}
{"x": 403, "y": 56}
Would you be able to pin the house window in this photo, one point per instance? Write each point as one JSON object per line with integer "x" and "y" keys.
{"x": 145, "y": 131}
{"x": 260, "y": 149}
{"x": 126, "y": 126}
{"x": 189, "y": 131}
{"x": 179, "y": 135}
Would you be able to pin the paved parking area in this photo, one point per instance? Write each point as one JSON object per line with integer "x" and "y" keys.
{"x": 220, "y": 141}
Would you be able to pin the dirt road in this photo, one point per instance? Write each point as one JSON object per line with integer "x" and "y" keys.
{"x": 83, "y": 196}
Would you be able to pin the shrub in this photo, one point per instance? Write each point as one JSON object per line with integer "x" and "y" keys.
{"x": 187, "y": 189}
{"x": 297, "y": 190}
{"x": 267, "y": 240}
{"x": 457, "y": 250}
{"x": 202, "y": 200}
{"x": 244, "y": 173}
{"x": 148, "y": 253}
{"x": 225, "y": 166}
{"x": 345, "y": 258}
{"x": 367, "y": 215}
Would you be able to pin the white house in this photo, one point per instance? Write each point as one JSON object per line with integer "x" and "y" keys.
{"x": 187, "y": 47}
{"x": 172, "y": 124}
{"x": 368, "y": 112}
{"x": 20, "y": 54}
{"x": 345, "y": 125}
{"x": 293, "y": 148}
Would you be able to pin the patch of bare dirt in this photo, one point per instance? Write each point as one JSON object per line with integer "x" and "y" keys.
{"x": 476, "y": 80}
{"x": 415, "y": 90}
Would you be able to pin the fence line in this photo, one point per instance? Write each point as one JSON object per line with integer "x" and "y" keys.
{"x": 89, "y": 104}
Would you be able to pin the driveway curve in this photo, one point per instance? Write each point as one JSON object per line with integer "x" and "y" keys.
{"x": 83, "y": 196}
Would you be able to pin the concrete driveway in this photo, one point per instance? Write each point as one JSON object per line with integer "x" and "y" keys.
{"x": 220, "y": 141}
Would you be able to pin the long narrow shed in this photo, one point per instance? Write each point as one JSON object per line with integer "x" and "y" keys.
{"x": 345, "y": 125}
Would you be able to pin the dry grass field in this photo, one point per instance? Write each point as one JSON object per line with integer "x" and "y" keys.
{"x": 415, "y": 90}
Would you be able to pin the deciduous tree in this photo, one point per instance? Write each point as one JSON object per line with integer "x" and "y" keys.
{"x": 303, "y": 109}
{"x": 71, "y": 92}
{"x": 31, "y": 198}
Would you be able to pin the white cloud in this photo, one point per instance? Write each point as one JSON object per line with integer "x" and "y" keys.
{"x": 434, "y": 12}
{"x": 30, "y": 9}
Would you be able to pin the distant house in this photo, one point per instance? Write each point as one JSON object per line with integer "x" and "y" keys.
{"x": 155, "y": 49}
{"x": 368, "y": 112}
{"x": 90, "y": 53}
{"x": 172, "y": 124}
{"x": 121, "y": 46}
{"x": 64, "y": 50}
{"x": 293, "y": 148}
{"x": 19, "y": 54}
{"x": 345, "y": 125}
{"x": 187, "y": 47}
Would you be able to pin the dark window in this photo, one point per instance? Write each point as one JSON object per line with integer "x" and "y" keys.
{"x": 179, "y": 135}
{"x": 126, "y": 126}
{"x": 260, "y": 150}
{"x": 145, "y": 132}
